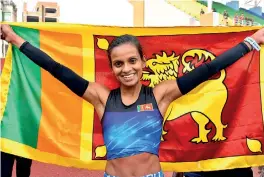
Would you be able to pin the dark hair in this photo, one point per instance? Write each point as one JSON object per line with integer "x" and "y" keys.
{"x": 123, "y": 40}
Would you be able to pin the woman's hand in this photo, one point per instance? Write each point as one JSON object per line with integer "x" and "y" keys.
{"x": 259, "y": 36}
{"x": 10, "y": 36}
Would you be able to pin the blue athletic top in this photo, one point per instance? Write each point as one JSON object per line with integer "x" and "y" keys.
{"x": 133, "y": 129}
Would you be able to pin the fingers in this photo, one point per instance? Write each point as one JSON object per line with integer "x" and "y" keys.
{"x": 1, "y": 32}
{"x": 2, "y": 28}
{"x": 2, "y": 37}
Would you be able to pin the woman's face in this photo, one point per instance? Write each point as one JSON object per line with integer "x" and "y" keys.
{"x": 127, "y": 64}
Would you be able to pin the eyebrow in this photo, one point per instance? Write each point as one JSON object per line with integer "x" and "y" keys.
{"x": 134, "y": 56}
{"x": 117, "y": 60}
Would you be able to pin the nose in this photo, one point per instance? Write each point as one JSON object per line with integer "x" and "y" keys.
{"x": 127, "y": 68}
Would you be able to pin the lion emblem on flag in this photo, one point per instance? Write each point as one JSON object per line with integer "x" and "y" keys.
{"x": 164, "y": 67}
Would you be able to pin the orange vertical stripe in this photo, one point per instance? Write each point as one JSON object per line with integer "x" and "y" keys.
{"x": 60, "y": 126}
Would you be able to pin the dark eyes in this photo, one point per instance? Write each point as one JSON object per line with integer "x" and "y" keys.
{"x": 120, "y": 63}
{"x": 132, "y": 60}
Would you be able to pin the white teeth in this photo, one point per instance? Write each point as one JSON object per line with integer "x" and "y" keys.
{"x": 128, "y": 76}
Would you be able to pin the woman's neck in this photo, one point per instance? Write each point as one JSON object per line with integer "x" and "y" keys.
{"x": 130, "y": 91}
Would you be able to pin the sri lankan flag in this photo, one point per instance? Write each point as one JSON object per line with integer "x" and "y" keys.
{"x": 218, "y": 125}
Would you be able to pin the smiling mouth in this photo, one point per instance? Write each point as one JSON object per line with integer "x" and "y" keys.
{"x": 128, "y": 76}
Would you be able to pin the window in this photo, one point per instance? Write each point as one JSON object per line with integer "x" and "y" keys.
{"x": 32, "y": 19}
{"x": 50, "y": 19}
{"x": 7, "y": 16}
{"x": 50, "y": 10}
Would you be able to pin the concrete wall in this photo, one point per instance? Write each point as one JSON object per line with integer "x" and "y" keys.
{"x": 138, "y": 12}
{"x": 210, "y": 19}
{"x": 160, "y": 13}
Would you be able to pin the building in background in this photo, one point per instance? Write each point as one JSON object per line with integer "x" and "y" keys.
{"x": 43, "y": 12}
{"x": 8, "y": 13}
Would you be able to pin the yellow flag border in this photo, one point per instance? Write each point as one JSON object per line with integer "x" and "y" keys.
{"x": 85, "y": 160}
{"x": 137, "y": 31}
{"x": 5, "y": 80}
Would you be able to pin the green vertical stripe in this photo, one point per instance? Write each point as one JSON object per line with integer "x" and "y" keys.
{"x": 22, "y": 114}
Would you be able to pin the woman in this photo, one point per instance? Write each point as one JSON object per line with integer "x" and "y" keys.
{"x": 131, "y": 115}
